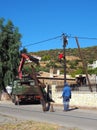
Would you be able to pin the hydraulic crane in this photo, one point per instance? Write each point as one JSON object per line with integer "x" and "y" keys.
{"x": 37, "y": 88}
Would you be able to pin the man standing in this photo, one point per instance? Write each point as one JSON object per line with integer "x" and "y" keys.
{"x": 66, "y": 94}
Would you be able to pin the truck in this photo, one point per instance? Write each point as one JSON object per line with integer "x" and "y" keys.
{"x": 29, "y": 88}
{"x": 25, "y": 91}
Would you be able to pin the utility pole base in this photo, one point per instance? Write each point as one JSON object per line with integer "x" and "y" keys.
{"x": 51, "y": 108}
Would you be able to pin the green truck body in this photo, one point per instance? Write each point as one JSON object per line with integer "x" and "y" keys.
{"x": 24, "y": 90}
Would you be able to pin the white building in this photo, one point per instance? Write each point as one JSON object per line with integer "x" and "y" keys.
{"x": 94, "y": 65}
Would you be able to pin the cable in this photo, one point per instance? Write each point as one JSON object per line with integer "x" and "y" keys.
{"x": 87, "y": 38}
{"x": 42, "y": 41}
{"x": 69, "y": 36}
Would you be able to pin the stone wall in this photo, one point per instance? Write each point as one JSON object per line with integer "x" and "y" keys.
{"x": 79, "y": 99}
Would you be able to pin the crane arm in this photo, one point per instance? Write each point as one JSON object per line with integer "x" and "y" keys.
{"x": 25, "y": 57}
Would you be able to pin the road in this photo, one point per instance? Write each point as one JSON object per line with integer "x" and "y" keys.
{"x": 83, "y": 119}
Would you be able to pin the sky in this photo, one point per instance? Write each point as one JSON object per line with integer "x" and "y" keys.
{"x": 42, "y": 20}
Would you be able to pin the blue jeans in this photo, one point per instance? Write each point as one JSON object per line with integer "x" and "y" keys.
{"x": 66, "y": 103}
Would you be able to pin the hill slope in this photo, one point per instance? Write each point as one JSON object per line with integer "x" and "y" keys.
{"x": 50, "y": 58}
{"x": 89, "y": 53}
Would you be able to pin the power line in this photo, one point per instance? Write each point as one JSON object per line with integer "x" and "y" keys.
{"x": 69, "y": 36}
{"x": 42, "y": 41}
{"x": 87, "y": 38}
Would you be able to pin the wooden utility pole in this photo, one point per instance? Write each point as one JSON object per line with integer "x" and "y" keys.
{"x": 64, "y": 53}
{"x": 43, "y": 102}
{"x": 84, "y": 65}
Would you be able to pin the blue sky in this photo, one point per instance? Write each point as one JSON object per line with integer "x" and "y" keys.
{"x": 39, "y": 20}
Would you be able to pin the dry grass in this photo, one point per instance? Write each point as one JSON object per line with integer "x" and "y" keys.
{"x": 28, "y": 125}
{"x": 32, "y": 125}
{"x": 12, "y": 123}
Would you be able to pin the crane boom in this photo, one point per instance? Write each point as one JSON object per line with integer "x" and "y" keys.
{"x": 25, "y": 57}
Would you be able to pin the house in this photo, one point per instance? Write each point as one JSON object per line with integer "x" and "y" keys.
{"x": 93, "y": 66}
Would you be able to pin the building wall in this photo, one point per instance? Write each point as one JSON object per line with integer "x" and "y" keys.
{"x": 79, "y": 99}
{"x": 94, "y": 65}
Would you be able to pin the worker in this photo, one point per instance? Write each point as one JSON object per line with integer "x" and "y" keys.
{"x": 66, "y": 94}
{"x": 60, "y": 56}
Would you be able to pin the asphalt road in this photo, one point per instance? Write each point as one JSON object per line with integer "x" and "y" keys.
{"x": 83, "y": 119}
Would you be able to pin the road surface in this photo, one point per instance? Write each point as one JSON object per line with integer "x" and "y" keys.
{"x": 83, "y": 119}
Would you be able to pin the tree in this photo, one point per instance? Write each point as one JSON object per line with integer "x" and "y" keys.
{"x": 51, "y": 64}
{"x": 24, "y": 50}
{"x": 46, "y": 58}
{"x": 9, "y": 52}
{"x": 77, "y": 71}
{"x": 92, "y": 71}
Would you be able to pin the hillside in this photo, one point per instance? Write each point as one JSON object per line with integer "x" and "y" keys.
{"x": 89, "y": 53}
{"x": 50, "y": 58}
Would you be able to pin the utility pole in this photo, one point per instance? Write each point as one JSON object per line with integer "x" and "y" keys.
{"x": 84, "y": 65}
{"x": 64, "y": 53}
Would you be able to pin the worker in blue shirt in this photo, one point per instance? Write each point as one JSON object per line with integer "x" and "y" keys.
{"x": 66, "y": 94}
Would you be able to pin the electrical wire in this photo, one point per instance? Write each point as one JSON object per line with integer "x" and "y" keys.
{"x": 87, "y": 38}
{"x": 68, "y": 36}
{"x": 42, "y": 41}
